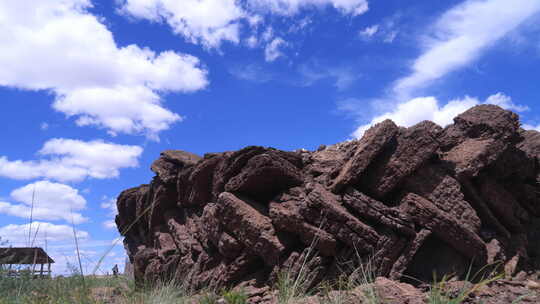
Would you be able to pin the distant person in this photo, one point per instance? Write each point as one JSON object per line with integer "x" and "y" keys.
{"x": 115, "y": 270}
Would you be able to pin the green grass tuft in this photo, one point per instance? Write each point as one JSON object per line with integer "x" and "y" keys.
{"x": 235, "y": 297}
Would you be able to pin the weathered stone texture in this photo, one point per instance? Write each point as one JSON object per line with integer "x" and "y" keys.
{"x": 412, "y": 200}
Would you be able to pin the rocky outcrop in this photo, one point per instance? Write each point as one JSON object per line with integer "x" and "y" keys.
{"x": 412, "y": 201}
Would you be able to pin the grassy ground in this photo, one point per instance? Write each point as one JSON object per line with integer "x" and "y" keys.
{"x": 120, "y": 290}
{"x": 70, "y": 289}
{"x": 357, "y": 285}
{"x": 102, "y": 289}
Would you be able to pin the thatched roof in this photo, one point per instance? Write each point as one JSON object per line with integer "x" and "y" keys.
{"x": 24, "y": 255}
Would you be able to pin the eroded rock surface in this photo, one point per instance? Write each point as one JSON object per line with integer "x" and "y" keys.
{"x": 411, "y": 200}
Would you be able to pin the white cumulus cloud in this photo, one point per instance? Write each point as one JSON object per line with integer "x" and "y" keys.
{"x": 411, "y": 112}
{"x": 506, "y": 102}
{"x": 61, "y": 47}
{"x": 273, "y": 49}
{"x": 44, "y": 200}
{"x": 109, "y": 224}
{"x": 531, "y": 127}
{"x": 206, "y": 21}
{"x": 212, "y": 22}
{"x": 73, "y": 160}
{"x": 110, "y": 204}
{"x": 461, "y": 34}
{"x": 17, "y": 235}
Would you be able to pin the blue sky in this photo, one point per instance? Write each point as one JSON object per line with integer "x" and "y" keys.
{"x": 92, "y": 91}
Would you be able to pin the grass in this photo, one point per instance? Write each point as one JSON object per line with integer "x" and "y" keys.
{"x": 208, "y": 298}
{"x": 168, "y": 292}
{"x": 291, "y": 287}
{"x": 121, "y": 290}
{"x": 94, "y": 290}
{"x": 294, "y": 284}
{"x": 438, "y": 293}
{"x": 358, "y": 274}
{"x": 105, "y": 289}
{"x": 58, "y": 290}
{"x": 235, "y": 297}
{"x": 363, "y": 275}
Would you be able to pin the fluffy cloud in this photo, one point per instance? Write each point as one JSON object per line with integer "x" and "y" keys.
{"x": 369, "y": 31}
{"x": 206, "y": 21}
{"x": 109, "y": 224}
{"x": 211, "y": 22}
{"x": 110, "y": 204}
{"x": 60, "y": 46}
{"x": 419, "y": 109}
{"x": 461, "y": 34}
{"x": 531, "y": 127}
{"x": 17, "y": 235}
{"x": 291, "y": 7}
{"x": 73, "y": 160}
{"x": 273, "y": 51}
{"x": 123, "y": 109}
{"x": 51, "y": 202}
{"x": 506, "y": 102}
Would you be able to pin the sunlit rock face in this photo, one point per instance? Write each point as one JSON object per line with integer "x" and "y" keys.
{"x": 412, "y": 201}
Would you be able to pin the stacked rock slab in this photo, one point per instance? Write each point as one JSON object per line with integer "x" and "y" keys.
{"x": 412, "y": 201}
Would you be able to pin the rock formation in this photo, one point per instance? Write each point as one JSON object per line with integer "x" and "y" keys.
{"x": 412, "y": 201}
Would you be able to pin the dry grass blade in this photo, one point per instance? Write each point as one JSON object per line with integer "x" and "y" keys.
{"x": 31, "y": 215}
{"x": 115, "y": 242}
{"x": 77, "y": 248}
{"x": 438, "y": 290}
{"x": 291, "y": 286}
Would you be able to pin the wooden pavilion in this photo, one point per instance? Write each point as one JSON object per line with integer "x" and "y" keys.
{"x": 32, "y": 260}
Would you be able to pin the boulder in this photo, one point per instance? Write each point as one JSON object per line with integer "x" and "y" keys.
{"x": 171, "y": 161}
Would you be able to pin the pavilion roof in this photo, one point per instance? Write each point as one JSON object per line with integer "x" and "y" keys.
{"x": 24, "y": 256}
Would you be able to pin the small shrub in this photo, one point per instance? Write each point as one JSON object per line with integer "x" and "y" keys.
{"x": 235, "y": 297}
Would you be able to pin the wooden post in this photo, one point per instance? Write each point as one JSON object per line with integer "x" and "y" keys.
{"x": 41, "y": 272}
{"x": 49, "y": 269}
{"x": 34, "y": 263}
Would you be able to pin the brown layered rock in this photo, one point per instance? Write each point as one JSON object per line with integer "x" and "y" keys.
{"x": 413, "y": 201}
{"x": 367, "y": 148}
